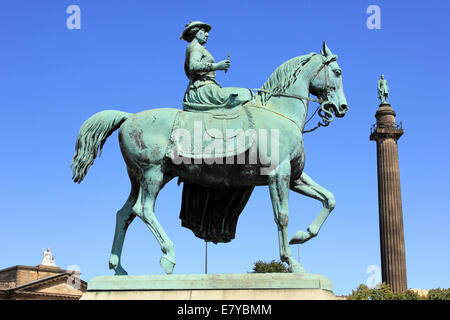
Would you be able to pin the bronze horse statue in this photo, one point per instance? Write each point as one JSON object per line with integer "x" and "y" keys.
{"x": 149, "y": 150}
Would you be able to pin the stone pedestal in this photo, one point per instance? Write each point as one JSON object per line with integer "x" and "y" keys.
{"x": 252, "y": 286}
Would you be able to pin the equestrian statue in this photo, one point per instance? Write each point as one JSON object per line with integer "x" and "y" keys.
{"x": 222, "y": 144}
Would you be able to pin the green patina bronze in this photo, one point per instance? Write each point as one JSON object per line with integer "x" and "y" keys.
{"x": 265, "y": 147}
{"x": 248, "y": 286}
{"x": 383, "y": 89}
{"x": 211, "y": 282}
{"x": 203, "y": 90}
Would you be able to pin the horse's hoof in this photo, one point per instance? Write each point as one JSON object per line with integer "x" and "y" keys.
{"x": 167, "y": 265}
{"x": 300, "y": 237}
{"x": 120, "y": 272}
{"x": 115, "y": 265}
{"x": 113, "y": 261}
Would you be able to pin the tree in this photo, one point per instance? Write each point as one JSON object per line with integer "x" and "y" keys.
{"x": 269, "y": 267}
{"x": 363, "y": 292}
{"x": 439, "y": 294}
{"x": 381, "y": 292}
{"x": 384, "y": 292}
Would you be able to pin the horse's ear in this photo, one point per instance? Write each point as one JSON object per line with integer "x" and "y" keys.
{"x": 326, "y": 51}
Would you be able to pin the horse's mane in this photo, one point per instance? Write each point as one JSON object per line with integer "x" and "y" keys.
{"x": 284, "y": 76}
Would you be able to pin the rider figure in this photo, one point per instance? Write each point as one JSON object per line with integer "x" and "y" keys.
{"x": 203, "y": 91}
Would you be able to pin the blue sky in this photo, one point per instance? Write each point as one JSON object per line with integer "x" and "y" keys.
{"x": 128, "y": 56}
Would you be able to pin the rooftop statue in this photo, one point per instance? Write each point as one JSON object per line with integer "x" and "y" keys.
{"x": 383, "y": 89}
{"x": 48, "y": 259}
{"x": 225, "y": 142}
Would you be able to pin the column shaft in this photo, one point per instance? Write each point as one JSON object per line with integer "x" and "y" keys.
{"x": 392, "y": 244}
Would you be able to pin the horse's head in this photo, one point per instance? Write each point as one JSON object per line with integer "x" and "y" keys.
{"x": 327, "y": 83}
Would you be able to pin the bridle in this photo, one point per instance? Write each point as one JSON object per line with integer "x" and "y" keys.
{"x": 325, "y": 108}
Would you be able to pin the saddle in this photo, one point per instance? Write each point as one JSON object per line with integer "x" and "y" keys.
{"x": 213, "y": 133}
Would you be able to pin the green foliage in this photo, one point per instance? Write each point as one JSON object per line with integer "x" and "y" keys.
{"x": 384, "y": 292}
{"x": 363, "y": 292}
{"x": 439, "y": 294}
{"x": 269, "y": 267}
{"x": 408, "y": 295}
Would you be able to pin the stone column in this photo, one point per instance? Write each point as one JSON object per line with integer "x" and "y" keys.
{"x": 392, "y": 243}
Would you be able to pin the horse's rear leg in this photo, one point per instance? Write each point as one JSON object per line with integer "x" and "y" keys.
{"x": 279, "y": 194}
{"x": 123, "y": 219}
{"x": 306, "y": 186}
{"x": 152, "y": 181}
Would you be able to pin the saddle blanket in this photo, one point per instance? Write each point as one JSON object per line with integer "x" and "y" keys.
{"x": 213, "y": 133}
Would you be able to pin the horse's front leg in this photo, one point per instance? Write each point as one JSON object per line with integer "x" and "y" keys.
{"x": 279, "y": 194}
{"x": 306, "y": 186}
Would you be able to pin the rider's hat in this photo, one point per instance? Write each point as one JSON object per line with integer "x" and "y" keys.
{"x": 194, "y": 24}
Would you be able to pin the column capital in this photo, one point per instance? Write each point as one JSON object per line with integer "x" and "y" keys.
{"x": 385, "y": 127}
{"x": 380, "y": 133}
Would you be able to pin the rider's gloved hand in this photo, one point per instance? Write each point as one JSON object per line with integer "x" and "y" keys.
{"x": 222, "y": 65}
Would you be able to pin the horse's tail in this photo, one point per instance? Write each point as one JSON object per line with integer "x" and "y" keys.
{"x": 91, "y": 138}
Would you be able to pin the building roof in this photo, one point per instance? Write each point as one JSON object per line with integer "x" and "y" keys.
{"x": 64, "y": 284}
{"x": 38, "y": 267}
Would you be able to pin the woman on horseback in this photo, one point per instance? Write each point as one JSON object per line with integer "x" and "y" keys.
{"x": 203, "y": 91}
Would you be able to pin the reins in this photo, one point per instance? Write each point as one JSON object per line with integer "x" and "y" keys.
{"x": 324, "y": 112}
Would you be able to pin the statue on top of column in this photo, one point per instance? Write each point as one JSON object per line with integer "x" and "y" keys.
{"x": 383, "y": 89}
